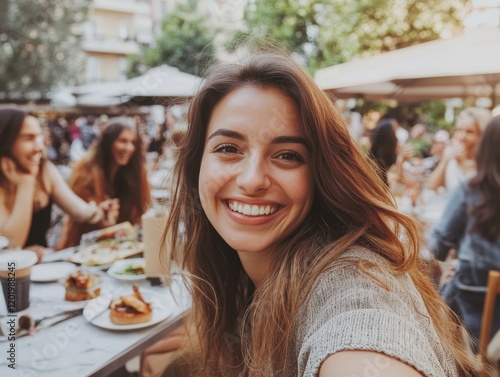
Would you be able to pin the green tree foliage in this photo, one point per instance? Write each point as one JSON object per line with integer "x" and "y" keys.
{"x": 39, "y": 46}
{"x": 335, "y": 31}
{"x": 186, "y": 43}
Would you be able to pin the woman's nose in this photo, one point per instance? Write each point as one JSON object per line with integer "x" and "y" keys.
{"x": 253, "y": 176}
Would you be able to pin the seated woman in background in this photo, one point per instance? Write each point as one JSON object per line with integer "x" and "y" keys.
{"x": 113, "y": 168}
{"x": 384, "y": 144}
{"x": 29, "y": 184}
{"x": 386, "y": 152}
{"x": 457, "y": 162}
{"x": 471, "y": 225}
{"x": 292, "y": 244}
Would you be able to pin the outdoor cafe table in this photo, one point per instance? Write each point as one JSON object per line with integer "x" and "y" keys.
{"x": 76, "y": 347}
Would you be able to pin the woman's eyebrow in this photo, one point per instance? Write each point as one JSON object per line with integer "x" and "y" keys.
{"x": 228, "y": 133}
{"x": 277, "y": 140}
{"x": 29, "y": 134}
{"x": 289, "y": 139}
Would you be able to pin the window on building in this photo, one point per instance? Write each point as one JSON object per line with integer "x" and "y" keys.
{"x": 123, "y": 66}
{"x": 123, "y": 30}
{"x": 92, "y": 69}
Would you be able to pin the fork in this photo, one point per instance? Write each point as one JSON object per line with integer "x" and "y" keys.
{"x": 36, "y": 325}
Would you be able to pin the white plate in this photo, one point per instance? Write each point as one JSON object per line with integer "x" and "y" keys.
{"x": 97, "y": 305}
{"x": 120, "y": 265}
{"x": 57, "y": 256}
{"x": 47, "y": 272}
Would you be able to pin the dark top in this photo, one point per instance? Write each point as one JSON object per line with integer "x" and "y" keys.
{"x": 40, "y": 224}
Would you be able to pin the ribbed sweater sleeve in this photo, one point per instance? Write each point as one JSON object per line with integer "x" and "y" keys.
{"x": 348, "y": 310}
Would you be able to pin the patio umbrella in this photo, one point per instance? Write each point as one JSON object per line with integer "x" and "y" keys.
{"x": 163, "y": 85}
{"x": 463, "y": 66}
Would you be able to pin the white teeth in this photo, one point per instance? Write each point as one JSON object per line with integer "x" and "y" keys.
{"x": 251, "y": 210}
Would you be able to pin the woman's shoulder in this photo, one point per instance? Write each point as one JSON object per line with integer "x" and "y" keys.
{"x": 361, "y": 272}
{"x": 359, "y": 304}
{"x": 50, "y": 175}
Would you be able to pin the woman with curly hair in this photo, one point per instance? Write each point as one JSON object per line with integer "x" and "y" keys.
{"x": 114, "y": 167}
{"x": 298, "y": 260}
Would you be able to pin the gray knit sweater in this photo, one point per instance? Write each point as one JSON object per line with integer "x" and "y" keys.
{"x": 349, "y": 311}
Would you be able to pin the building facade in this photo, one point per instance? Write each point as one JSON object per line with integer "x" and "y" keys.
{"x": 118, "y": 28}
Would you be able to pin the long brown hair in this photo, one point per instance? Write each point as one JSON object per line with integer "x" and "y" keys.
{"x": 351, "y": 206}
{"x": 11, "y": 121}
{"x": 487, "y": 181}
{"x": 130, "y": 184}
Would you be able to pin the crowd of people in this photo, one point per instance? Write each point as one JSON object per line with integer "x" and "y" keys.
{"x": 287, "y": 229}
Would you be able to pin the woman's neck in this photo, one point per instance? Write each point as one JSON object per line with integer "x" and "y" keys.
{"x": 256, "y": 265}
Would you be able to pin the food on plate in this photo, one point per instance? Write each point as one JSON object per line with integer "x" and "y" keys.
{"x": 122, "y": 231}
{"x": 107, "y": 245}
{"x": 106, "y": 252}
{"x": 132, "y": 269}
{"x": 81, "y": 286}
{"x": 130, "y": 309}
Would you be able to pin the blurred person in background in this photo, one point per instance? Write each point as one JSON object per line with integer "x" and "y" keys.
{"x": 158, "y": 139}
{"x": 50, "y": 151}
{"x": 89, "y": 132}
{"x": 420, "y": 140}
{"x": 61, "y": 137}
{"x": 29, "y": 184}
{"x": 384, "y": 145}
{"x": 471, "y": 225}
{"x": 457, "y": 162}
{"x": 439, "y": 142}
{"x": 114, "y": 167}
{"x": 387, "y": 153}
{"x": 74, "y": 128}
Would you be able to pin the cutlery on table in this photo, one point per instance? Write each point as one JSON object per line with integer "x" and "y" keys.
{"x": 32, "y": 326}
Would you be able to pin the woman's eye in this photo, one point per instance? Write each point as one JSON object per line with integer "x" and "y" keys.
{"x": 291, "y": 156}
{"x": 226, "y": 149}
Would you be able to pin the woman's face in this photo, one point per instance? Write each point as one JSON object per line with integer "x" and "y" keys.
{"x": 467, "y": 133}
{"x": 255, "y": 179}
{"x": 124, "y": 147}
{"x": 27, "y": 150}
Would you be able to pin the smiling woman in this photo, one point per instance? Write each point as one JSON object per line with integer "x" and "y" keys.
{"x": 29, "y": 184}
{"x": 113, "y": 168}
{"x": 291, "y": 242}
{"x": 255, "y": 188}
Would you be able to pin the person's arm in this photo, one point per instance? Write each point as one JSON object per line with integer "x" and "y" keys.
{"x": 438, "y": 175}
{"x": 447, "y": 233}
{"x": 364, "y": 363}
{"x": 15, "y": 224}
{"x": 105, "y": 213}
{"x": 74, "y": 206}
{"x": 396, "y": 173}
